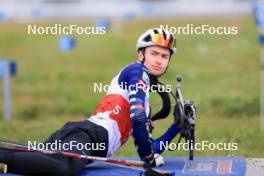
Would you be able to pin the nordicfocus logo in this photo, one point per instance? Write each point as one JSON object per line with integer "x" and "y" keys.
{"x": 58, "y": 145}
{"x": 59, "y": 29}
{"x": 100, "y": 87}
{"x": 190, "y": 29}
{"x": 204, "y": 145}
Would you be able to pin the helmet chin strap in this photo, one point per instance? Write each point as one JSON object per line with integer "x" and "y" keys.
{"x": 163, "y": 72}
{"x": 143, "y": 53}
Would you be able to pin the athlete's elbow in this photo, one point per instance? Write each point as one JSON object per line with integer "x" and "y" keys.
{"x": 139, "y": 121}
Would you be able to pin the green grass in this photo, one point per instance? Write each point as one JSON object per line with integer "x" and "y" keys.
{"x": 221, "y": 73}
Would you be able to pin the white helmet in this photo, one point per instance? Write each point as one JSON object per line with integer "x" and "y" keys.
{"x": 157, "y": 37}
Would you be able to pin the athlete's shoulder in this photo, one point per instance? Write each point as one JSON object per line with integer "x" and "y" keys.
{"x": 135, "y": 71}
{"x": 136, "y": 66}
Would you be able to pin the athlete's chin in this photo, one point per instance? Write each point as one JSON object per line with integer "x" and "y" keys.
{"x": 156, "y": 73}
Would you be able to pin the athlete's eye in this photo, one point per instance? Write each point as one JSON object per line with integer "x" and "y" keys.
{"x": 153, "y": 53}
{"x": 165, "y": 56}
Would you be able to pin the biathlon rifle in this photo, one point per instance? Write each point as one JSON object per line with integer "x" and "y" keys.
{"x": 184, "y": 117}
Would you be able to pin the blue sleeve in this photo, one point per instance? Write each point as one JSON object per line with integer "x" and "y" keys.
{"x": 133, "y": 77}
{"x": 164, "y": 139}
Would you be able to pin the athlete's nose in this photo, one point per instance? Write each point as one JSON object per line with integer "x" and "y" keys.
{"x": 159, "y": 59}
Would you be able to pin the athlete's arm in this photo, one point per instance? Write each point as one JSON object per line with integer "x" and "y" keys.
{"x": 159, "y": 144}
{"x": 137, "y": 80}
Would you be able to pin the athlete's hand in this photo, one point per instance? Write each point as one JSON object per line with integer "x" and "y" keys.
{"x": 154, "y": 160}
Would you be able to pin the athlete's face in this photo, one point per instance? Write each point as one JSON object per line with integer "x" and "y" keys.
{"x": 156, "y": 59}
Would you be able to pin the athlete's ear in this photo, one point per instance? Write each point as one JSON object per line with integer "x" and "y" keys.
{"x": 140, "y": 55}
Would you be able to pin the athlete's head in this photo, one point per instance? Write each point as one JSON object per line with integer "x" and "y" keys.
{"x": 155, "y": 48}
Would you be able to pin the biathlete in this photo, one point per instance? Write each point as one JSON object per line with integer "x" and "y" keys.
{"x": 123, "y": 111}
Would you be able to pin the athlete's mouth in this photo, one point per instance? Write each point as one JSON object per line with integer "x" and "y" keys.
{"x": 157, "y": 68}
